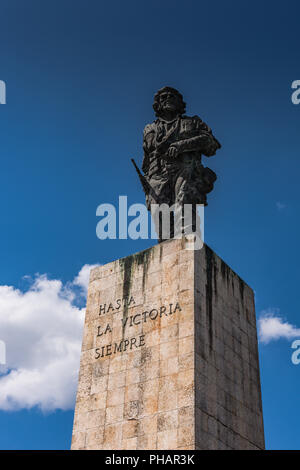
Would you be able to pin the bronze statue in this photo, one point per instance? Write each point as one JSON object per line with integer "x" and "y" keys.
{"x": 173, "y": 145}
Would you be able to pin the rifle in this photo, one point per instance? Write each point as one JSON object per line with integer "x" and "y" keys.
{"x": 148, "y": 190}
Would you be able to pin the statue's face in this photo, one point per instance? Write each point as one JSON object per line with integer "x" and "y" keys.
{"x": 169, "y": 101}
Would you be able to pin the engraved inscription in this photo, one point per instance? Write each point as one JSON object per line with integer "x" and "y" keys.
{"x": 129, "y": 343}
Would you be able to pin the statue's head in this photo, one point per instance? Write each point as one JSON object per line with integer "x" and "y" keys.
{"x": 168, "y": 100}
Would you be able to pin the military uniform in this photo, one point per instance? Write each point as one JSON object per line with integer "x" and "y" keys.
{"x": 183, "y": 179}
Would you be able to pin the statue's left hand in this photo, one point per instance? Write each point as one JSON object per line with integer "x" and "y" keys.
{"x": 172, "y": 152}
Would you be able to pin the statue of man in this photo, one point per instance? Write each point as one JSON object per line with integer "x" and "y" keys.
{"x": 173, "y": 145}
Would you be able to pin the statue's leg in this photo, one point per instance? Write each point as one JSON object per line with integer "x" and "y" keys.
{"x": 164, "y": 193}
{"x": 185, "y": 200}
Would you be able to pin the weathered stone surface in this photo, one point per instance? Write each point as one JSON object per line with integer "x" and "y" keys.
{"x": 169, "y": 355}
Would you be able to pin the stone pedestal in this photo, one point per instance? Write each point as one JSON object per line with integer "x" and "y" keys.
{"x": 169, "y": 356}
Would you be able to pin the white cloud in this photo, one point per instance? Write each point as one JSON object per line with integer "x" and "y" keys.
{"x": 271, "y": 327}
{"x": 42, "y": 328}
{"x": 82, "y": 279}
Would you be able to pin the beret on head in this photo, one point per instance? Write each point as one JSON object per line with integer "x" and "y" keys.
{"x": 156, "y": 104}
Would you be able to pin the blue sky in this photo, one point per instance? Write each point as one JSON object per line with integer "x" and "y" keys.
{"x": 80, "y": 81}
